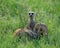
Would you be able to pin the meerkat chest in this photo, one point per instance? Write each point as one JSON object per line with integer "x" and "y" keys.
{"x": 32, "y": 25}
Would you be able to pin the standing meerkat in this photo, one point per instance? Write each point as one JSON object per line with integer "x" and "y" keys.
{"x": 31, "y": 22}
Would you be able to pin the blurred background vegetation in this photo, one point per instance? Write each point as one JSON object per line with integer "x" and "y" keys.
{"x": 14, "y": 15}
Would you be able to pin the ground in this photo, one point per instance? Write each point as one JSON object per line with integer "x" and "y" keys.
{"x": 13, "y": 15}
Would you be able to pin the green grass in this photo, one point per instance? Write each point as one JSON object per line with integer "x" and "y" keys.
{"x": 13, "y": 15}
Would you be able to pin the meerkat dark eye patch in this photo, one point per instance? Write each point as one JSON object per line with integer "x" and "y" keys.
{"x": 31, "y": 14}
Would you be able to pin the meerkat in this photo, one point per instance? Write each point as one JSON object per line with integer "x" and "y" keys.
{"x": 31, "y": 22}
{"x": 25, "y": 32}
{"x": 41, "y": 29}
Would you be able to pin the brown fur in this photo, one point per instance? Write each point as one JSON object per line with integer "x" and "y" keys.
{"x": 41, "y": 29}
{"x": 18, "y": 32}
{"x": 25, "y": 32}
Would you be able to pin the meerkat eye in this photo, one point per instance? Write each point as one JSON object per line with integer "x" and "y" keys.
{"x": 32, "y": 13}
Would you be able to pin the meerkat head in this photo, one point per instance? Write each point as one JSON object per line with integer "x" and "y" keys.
{"x": 31, "y": 13}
